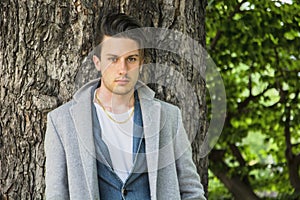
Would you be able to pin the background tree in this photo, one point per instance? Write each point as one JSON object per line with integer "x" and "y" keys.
{"x": 255, "y": 44}
{"x": 43, "y": 45}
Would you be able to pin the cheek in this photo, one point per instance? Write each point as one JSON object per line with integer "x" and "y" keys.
{"x": 106, "y": 69}
{"x": 134, "y": 75}
{"x": 134, "y": 70}
{"x": 107, "y": 74}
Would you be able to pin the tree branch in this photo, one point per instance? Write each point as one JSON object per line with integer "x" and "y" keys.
{"x": 237, "y": 153}
{"x": 287, "y": 133}
{"x": 232, "y": 182}
{"x": 297, "y": 159}
{"x": 250, "y": 98}
{"x": 293, "y": 161}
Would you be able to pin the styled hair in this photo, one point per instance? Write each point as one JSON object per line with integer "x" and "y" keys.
{"x": 118, "y": 25}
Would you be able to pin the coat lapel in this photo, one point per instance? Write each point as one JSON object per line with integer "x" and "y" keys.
{"x": 151, "y": 120}
{"x": 81, "y": 113}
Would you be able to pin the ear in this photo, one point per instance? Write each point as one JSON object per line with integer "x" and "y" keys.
{"x": 141, "y": 65}
{"x": 142, "y": 61}
{"x": 97, "y": 61}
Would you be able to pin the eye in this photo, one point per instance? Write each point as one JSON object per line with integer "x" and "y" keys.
{"x": 113, "y": 59}
{"x": 132, "y": 59}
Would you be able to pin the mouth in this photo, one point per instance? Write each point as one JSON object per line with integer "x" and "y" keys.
{"x": 122, "y": 81}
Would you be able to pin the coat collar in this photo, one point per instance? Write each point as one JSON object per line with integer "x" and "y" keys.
{"x": 144, "y": 91}
{"x": 81, "y": 112}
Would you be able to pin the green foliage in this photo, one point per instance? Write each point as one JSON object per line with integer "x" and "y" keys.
{"x": 256, "y": 46}
{"x": 220, "y": 192}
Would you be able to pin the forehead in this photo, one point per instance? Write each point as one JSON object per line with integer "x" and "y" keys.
{"x": 118, "y": 46}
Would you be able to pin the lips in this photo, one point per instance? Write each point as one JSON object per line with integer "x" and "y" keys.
{"x": 122, "y": 81}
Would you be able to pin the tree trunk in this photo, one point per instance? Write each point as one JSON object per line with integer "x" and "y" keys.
{"x": 43, "y": 48}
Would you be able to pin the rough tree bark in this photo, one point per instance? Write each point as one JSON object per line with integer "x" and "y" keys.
{"x": 43, "y": 43}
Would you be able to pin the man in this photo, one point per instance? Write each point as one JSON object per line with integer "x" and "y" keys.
{"x": 114, "y": 140}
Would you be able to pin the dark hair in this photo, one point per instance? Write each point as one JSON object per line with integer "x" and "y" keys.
{"x": 118, "y": 25}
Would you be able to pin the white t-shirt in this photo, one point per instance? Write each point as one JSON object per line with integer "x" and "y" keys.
{"x": 118, "y": 138}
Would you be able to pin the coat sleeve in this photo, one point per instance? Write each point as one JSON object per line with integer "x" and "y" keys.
{"x": 56, "y": 173}
{"x": 188, "y": 178}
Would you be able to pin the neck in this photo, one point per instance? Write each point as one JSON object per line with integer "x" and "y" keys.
{"x": 115, "y": 103}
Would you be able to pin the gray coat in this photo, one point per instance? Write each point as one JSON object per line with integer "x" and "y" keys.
{"x": 71, "y": 171}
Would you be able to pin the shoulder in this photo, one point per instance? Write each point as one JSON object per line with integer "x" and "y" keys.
{"x": 62, "y": 108}
{"x": 146, "y": 94}
{"x": 61, "y": 113}
{"x": 82, "y": 95}
{"x": 168, "y": 107}
{"x": 169, "y": 113}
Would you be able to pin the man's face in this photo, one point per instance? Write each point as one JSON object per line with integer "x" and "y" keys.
{"x": 119, "y": 64}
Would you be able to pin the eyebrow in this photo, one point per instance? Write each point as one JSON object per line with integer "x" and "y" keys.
{"x": 113, "y": 55}
{"x": 133, "y": 55}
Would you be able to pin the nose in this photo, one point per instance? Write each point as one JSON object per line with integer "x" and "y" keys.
{"x": 123, "y": 69}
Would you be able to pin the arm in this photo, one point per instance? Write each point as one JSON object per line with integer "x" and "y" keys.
{"x": 56, "y": 166}
{"x": 188, "y": 178}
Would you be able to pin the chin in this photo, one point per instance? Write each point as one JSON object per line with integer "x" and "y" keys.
{"x": 122, "y": 91}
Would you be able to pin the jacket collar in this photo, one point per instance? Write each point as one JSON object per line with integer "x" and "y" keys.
{"x": 144, "y": 91}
